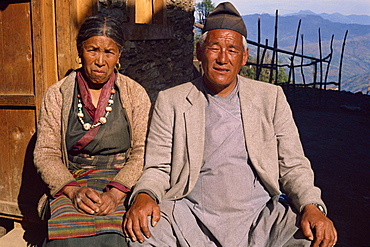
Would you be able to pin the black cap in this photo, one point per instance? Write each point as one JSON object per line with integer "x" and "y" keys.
{"x": 225, "y": 16}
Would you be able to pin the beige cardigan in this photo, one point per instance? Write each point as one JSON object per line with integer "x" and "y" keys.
{"x": 50, "y": 154}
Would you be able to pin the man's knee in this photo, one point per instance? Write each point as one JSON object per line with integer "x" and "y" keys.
{"x": 298, "y": 239}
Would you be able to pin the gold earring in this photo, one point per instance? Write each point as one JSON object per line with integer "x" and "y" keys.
{"x": 118, "y": 66}
{"x": 78, "y": 60}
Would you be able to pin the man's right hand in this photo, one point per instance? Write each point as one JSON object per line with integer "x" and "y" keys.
{"x": 136, "y": 219}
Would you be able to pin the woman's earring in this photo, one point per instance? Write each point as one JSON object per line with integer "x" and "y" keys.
{"x": 117, "y": 67}
{"x": 78, "y": 60}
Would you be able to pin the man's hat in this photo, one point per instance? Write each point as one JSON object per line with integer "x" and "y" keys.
{"x": 225, "y": 16}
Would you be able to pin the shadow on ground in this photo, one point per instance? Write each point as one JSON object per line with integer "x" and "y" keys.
{"x": 335, "y": 132}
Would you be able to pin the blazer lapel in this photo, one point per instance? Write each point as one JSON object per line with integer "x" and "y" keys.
{"x": 251, "y": 121}
{"x": 195, "y": 129}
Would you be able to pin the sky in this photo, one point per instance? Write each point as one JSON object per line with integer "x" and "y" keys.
{"x": 344, "y": 7}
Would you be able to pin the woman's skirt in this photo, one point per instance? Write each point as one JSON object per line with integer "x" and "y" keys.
{"x": 66, "y": 222}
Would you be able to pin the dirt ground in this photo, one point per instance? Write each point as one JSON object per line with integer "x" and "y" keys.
{"x": 335, "y": 132}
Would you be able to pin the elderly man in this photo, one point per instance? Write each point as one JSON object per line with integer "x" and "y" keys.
{"x": 224, "y": 163}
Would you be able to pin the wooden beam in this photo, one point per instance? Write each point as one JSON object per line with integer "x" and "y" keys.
{"x": 148, "y": 32}
{"x": 17, "y": 100}
{"x": 6, "y": 206}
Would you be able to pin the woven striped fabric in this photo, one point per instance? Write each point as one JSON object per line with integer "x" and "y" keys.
{"x": 67, "y": 222}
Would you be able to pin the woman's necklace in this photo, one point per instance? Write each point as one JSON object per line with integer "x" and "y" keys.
{"x": 102, "y": 120}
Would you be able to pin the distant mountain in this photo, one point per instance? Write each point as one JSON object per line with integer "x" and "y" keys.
{"x": 287, "y": 28}
{"x": 336, "y": 17}
{"x": 356, "y": 61}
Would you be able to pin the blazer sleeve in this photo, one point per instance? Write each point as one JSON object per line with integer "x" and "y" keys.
{"x": 155, "y": 179}
{"x": 295, "y": 172}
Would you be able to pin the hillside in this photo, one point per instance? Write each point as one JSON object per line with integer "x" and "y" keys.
{"x": 356, "y": 62}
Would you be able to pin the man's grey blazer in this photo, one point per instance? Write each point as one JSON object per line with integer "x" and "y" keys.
{"x": 175, "y": 143}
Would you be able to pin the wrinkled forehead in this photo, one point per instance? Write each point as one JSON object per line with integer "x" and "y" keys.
{"x": 226, "y": 36}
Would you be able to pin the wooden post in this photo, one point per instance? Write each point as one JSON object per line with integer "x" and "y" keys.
{"x": 85, "y": 8}
{"x": 258, "y": 62}
{"x": 276, "y": 59}
{"x": 70, "y": 15}
{"x": 45, "y": 59}
{"x": 159, "y": 13}
{"x": 273, "y": 67}
{"x": 302, "y": 73}
{"x": 341, "y": 62}
{"x": 130, "y": 6}
{"x": 330, "y": 57}
{"x": 143, "y": 11}
{"x": 320, "y": 61}
{"x": 291, "y": 70}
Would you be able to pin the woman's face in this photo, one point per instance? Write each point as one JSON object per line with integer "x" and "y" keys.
{"x": 99, "y": 55}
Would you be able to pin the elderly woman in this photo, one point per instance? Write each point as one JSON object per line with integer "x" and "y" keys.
{"x": 90, "y": 141}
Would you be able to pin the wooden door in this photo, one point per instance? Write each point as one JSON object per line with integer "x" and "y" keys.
{"x": 19, "y": 51}
{"x": 37, "y": 47}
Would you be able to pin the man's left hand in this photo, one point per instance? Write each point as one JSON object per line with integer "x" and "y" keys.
{"x": 317, "y": 227}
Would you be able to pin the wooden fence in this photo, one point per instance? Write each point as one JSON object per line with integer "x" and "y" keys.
{"x": 320, "y": 74}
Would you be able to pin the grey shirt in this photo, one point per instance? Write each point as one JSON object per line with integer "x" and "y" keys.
{"x": 228, "y": 195}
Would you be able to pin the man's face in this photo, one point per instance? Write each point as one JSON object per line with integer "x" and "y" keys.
{"x": 222, "y": 56}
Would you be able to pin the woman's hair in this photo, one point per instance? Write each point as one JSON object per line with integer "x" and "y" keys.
{"x": 101, "y": 26}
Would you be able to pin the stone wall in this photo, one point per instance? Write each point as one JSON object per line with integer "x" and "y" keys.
{"x": 160, "y": 63}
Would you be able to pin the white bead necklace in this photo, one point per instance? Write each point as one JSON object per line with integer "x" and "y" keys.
{"x": 102, "y": 120}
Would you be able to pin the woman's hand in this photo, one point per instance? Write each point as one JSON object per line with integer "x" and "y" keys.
{"x": 85, "y": 200}
{"x": 110, "y": 201}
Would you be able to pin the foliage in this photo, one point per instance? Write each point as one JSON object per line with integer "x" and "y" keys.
{"x": 250, "y": 71}
{"x": 203, "y": 9}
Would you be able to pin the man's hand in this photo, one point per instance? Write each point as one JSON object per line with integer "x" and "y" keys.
{"x": 84, "y": 199}
{"x": 317, "y": 227}
{"x": 136, "y": 219}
